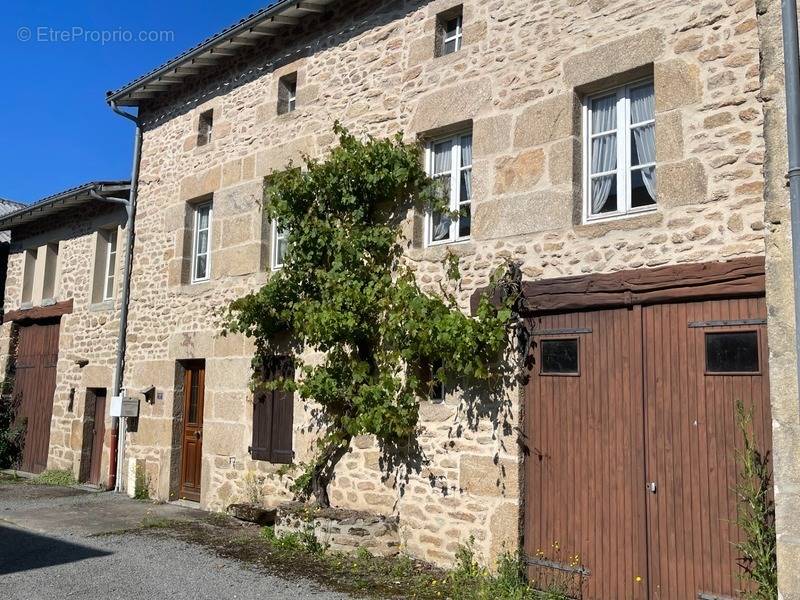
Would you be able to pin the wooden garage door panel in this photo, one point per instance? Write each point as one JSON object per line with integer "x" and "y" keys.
{"x": 692, "y": 439}
{"x": 35, "y": 384}
{"x": 643, "y": 410}
{"x": 586, "y": 467}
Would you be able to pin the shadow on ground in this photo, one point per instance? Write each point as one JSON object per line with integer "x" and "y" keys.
{"x": 24, "y": 551}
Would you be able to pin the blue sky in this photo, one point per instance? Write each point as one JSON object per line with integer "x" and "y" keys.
{"x": 56, "y": 130}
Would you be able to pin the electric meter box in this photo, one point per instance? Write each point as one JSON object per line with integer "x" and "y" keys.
{"x": 124, "y": 406}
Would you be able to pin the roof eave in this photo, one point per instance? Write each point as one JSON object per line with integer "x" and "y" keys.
{"x": 208, "y": 54}
{"x": 52, "y": 204}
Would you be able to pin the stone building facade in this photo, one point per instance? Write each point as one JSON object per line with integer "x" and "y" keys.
{"x": 518, "y": 86}
{"x": 60, "y": 272}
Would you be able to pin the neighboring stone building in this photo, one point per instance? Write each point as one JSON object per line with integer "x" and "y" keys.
{"x": 6, "y": 207}
{"x": 61, "y": 325}
{"x": 615, "y": 149}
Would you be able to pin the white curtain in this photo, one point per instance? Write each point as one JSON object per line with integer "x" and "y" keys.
{"x": 643, "y": 109}
{"x": 466, "y": 161}
{"x": 442, "y": 169}
{"x": 604, "y": 149}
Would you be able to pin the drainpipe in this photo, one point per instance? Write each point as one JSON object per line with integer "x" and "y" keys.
{"x": 130, "y": 207}
{"x": 111, "y": 483}
{"x": 791, "y": 57}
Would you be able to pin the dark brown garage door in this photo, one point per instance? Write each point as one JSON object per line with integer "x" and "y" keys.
{"x": 632, "y": 435}
{"x": 35, "y": 384}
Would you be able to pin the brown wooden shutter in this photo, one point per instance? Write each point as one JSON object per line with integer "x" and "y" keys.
{"x": 282, "y": 409}
{"x": 262, "y": 426}
{"x": 273, "y": 417}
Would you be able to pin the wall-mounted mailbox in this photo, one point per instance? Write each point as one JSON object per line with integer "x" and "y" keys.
{"x": 124, "y": 406}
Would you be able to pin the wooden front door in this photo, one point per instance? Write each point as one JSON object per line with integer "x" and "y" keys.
{"x": 94, "y": 431}
{"x": 632, "y": 440}
{"x": 35, "y": 385}
{"x": 192, "y": 439}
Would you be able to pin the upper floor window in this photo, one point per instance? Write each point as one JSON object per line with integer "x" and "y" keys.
{"x": 110, "y": 264}
{"x": 205, "y": 128}
{"x": 279, "y": 245}
{"x": 287, "y": 93}
{"x": 28, "y": 274}
{"x": 50, "y": 252}
{"x": 620, "y": 152}
{"x": 450, "y": 31}
{"x": 450, "y": 164}
{"x": 39, "y": 275}
{"x": 201, "y": 245}
{"x": 105, "y": 265}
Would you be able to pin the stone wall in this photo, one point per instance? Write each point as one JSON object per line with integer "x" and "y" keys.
{"x": 340, "y": 530}
{"x": 88, "y": 336}
{"x": 518, "y": 82}
{"x": 780, "y": 304}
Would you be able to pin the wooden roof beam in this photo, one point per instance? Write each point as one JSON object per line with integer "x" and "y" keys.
{"x": 311, "y": 7}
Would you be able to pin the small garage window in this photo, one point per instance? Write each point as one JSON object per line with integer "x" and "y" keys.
{"x": 732, "y": 352}
{"x": 559, "y": 356}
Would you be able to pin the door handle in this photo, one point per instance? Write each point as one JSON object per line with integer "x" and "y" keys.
{"x": 650, "y": 486}
{"x": 198, "y": 434}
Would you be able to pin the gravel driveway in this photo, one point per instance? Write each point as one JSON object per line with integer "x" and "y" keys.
{"x": 49, "y": 549}
{"x": 132, "y": 567}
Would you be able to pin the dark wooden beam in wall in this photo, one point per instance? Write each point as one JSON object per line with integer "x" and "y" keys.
{"x": 40, "y": 312}
{"x": 738, "y": 277}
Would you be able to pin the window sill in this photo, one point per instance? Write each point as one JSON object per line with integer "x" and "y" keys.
{"x": 292, "y": 114}
{"x": 443, "y": 59}
{"x": 105, "y": 305}
{"x": 619, "y": 217}
{"x": 438, "y": 252}
{"x": 205, "y": 148}
{"x": 600, "y": 227}
{"x": 196, "y": 289}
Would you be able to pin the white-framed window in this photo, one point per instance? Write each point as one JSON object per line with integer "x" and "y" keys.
{"x": 110, "y": 264}
{"x": 279, "y": 246}
{"x": 201, "y": 243}
{"x": 619, "y": 152}
{"x": 452, "y": 35}
{"x": 292, "y": 98}
{"x": 450, "y": 164}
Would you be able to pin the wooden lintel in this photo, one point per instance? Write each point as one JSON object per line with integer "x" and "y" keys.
{"x": 40, "y": 312}
{"x": 739, "y": 277}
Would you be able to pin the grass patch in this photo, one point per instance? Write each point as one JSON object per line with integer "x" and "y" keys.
{"x": 55, "y": 477}
{"x": 362, "y": 574}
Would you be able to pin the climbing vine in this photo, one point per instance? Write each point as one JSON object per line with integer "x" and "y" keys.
{"x": 346, "y": 293}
